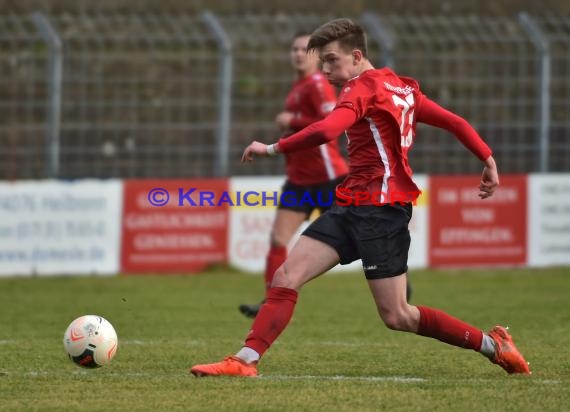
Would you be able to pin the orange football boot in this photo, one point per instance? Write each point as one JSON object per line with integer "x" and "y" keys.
{"x": 230, "y": 366}
{"x": 507, "y": 356}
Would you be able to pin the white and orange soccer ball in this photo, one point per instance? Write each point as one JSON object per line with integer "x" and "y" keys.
{"x": 90, "y": 341}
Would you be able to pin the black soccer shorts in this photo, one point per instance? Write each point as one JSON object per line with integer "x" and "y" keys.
{"x": 378, "y": 235}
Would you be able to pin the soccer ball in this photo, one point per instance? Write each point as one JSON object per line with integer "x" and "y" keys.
{"x": 90, "y": 341}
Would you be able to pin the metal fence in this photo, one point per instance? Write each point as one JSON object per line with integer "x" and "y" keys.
{"x": 23, "y": 91}
{"x": 141, "y": 95}
{"x": 482, "y": 69}
{"x": 556, "y": 37}
{"x": 138, "y": 96}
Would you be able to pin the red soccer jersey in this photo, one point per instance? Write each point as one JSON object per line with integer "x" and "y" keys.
{"x": 311, "y": 99}
{"x": 379, "y": 111}
{"x": 379, "y": 141}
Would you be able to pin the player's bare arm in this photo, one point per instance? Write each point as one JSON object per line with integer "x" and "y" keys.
{"x": 314, "y": 135}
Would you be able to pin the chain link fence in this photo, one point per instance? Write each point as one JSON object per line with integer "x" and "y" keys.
{"x": 180, "y": 95}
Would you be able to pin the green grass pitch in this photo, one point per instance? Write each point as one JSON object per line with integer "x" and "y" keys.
{"x": 335, "y": 356}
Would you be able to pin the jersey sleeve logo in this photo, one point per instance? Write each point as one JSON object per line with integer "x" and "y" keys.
{"x": 399, "y": 90}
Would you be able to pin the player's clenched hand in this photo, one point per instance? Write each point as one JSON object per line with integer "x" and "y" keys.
{"x": 255, "y": 148}
{"x": 489, "y": 179}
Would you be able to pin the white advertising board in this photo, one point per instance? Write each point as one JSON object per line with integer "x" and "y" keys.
{"x": 250, "y": 226}
{"x": 57, "y": 227}
{"x": 549, "y": 219}
{"x": 419, "y": 226}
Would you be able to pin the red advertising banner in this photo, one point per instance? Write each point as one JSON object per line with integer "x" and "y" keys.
{"x": 174, "y": 226}
{"x": 467, "y": 231}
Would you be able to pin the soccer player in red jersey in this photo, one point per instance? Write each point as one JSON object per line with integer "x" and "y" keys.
{"x": 379, "y": 110}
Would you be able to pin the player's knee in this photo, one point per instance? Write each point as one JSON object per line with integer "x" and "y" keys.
{"x": 392, "y": 322}
{"x": 279, "y": 278}
{"x": 283, "y": 279}
{"x": 395, "y": 320}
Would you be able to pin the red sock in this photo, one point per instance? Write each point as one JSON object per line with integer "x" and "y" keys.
{"x": 272, "y": 319}
{"x": 439, "y": 325}
{"x": 275, "y": 258}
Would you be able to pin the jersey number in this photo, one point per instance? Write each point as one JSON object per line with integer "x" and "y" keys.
{"x": 407, "y": 121}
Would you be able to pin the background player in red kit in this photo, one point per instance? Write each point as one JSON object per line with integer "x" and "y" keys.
{"x": 379, "y": 110}
{"x": 317, "y": 170}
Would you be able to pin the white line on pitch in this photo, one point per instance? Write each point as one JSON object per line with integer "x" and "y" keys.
{"x": 150, "y": 342}
{"x": 347, "y": 344}
{"x": 404, "y": 379}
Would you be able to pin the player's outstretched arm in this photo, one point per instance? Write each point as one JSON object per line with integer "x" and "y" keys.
{"x": 433, "y": 114}
{"x": 314, "y": 135}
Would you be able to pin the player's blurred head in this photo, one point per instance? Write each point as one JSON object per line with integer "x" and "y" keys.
{"x": 300, "y": 33}
{"x": 302, "y": 62}
{"x": 349, "y": 35}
